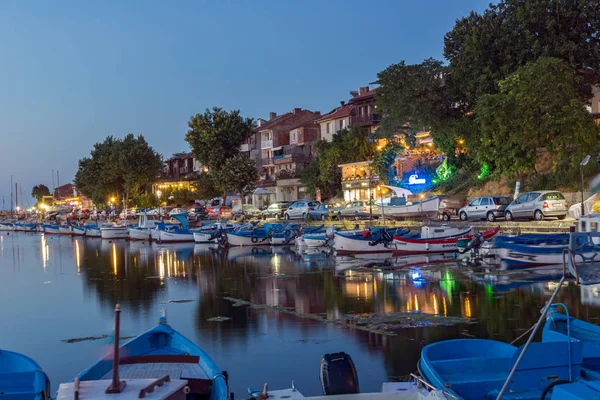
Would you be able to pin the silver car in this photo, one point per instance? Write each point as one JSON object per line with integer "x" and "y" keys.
{"x": 300, "y": 209}
{"x": 538, "y": 205}
{"x": 358, "y": 209}
{"x": 487, "y": 207}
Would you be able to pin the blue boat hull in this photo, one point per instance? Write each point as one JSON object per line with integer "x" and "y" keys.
{"x": 22, "y": 378}
{"x": 161, "y": 344}
{"x": 474, "y": 369}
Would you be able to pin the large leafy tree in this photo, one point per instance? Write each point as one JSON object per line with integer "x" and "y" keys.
{"x": 215, "y": 138}
{"x": 217, "y": 135}
{"x": 485, "y": 48}
{"x": 39, "y": 191}
{"x": 118, "y": 167}
{"x": 206, "y": 188}
{"x": 525, "y": 118}
{"x": 418, "y": 96}
{"x": 238, "y": 175}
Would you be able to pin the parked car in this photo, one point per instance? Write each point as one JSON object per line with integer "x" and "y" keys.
{"x": 537, "y": 205}
{"x": 177, "y": 210}
{"x": 300, "y": 209}
{"x": 359, "y": 209}
{"x": 320, "y": 212}
{"x": 450, "y": 207}
{"x": 197, "y": 213}
{"x": 487, "y": 207}
{"x": 276, "y": 210}
{"x": 246, "y": 210}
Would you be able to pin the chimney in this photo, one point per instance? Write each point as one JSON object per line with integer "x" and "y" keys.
{"x": 272, "y": 115}
{"x": 363, "y": 90}
{"x": 297, "y": 110}
{"x": 342, "y": 103}
{"x": 260, "y": 122}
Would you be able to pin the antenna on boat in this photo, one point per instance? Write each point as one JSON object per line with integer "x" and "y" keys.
{"x": 117, "y": 385}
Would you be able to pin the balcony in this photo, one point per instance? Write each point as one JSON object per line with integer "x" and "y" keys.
{"x": 183, "y": 170}
{"x": 245, "y": 147}
{"x": 291, "y": 158}
{"x": 365, "y": 120}
{"x": 266, "y": 144}
{"x": 265, "y": 162}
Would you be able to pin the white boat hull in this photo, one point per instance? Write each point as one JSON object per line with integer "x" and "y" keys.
{"x": 312, "y": 242}
{"x": 428, "y": 208}
{"x": 139, "y": 234}
{"x": 171, "y": 237}
{"x": 237, "y": 240}
{"x": 204, "y": 237}
{"x": 78, "y": 231}
{"x": 7, "y": 227}
{"x": 65, "y": 230}
{"x": 343, "y": 244}
{"x": 51, "y": 230}
{"x": 93, "y": 232}
{"x": 114, "y": 233}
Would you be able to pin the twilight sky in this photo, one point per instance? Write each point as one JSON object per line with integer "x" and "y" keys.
{"x": 73, "y": 72}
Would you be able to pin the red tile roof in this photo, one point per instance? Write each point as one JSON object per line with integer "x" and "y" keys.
{"x": 278, "y": 119}
{"x": 339, "y": 112}
{"x": 363, "y": 95}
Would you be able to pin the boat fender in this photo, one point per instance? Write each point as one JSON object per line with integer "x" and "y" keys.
{"x": 254, "y": 239}
{"x": 338, "y": 374}
{"x": 186, "y": 390}
{"x": 254, "y": 250}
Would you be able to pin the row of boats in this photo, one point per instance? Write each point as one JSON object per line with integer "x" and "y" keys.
{"x": 429, "y": 239}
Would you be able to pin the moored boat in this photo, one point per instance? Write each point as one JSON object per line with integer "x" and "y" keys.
{"x": 22, "y": 378}
{"x": 374, "y": 240}
{"x": 78, "y": 230}
{"x": 430, "y": 242}
{"x": 114, "y": 232}
{"x": 64, "y": 229}
{"x": 50, "y": 229}
{"x": 92, "y": 231}
{"x": 142, "y": 230}
{"x": 162, "y": 360}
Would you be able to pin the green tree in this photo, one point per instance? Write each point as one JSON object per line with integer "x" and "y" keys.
{"x": 39, "y": 191}
{"x": 525, "y": 118}
{"x": 348, "y": 145}
{"x": 383, "y": 161}
{"x": 118, "y": 167}
{"x": 206, "y": 188}
{"x": 238, "y": 175}
{"x": 417, "y": 96}
{"x": 483, "y": 49}
{"x": 217, "y": 135}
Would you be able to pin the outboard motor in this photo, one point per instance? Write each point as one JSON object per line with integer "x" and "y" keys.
{"x": 475, "y": 243}
{"x": 338, "y": 374}
{"x": 384, "y": 237}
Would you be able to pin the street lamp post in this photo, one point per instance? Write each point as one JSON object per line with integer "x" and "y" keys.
{"x": 581, "y": 165}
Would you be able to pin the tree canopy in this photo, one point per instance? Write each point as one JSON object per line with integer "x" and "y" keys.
{"x": 118, "y": 167}
{"x": 215, "y": 138}
{"x": 217, "y": 135}
{"x": 39, "y": 191}
{"x": 491, "y": 57}
{"x": 525, "y": 118}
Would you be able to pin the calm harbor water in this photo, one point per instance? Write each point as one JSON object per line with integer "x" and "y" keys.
{"x": 54, "y": 288}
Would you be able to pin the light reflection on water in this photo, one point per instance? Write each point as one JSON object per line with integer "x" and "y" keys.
{"x": 61, "y": 287}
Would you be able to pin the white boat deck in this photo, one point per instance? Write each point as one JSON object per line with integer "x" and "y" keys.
{"x": 157, "y": 370}
{"x": 96, "y": 390}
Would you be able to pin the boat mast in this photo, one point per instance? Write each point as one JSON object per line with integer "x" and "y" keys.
{"x": 58, "y": 183}
{"x": 11, "y": 195}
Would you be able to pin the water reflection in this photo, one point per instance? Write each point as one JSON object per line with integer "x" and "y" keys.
{"x": 140, "y": 276}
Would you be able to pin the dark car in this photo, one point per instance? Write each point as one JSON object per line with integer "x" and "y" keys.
{"x": 197, "y": 213}
{"x": 319, "y": 212}
{"x": 276, "y": 210}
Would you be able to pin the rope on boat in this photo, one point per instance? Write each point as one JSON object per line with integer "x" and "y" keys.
{"x": 524, "y": 333}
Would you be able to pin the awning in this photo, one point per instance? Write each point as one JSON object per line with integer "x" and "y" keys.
{"x": 277, "y": 148}
{"x": 259, "y": 191}
{"x": 399, "y": 191}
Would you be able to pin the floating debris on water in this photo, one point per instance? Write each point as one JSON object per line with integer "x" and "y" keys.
{"x": 382, "y": 324}
{"x": 47, "y": 282}
{"x": 90, "y": 338}
{"x": 218, "y": 319}
{"x": 176, "y": 301}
